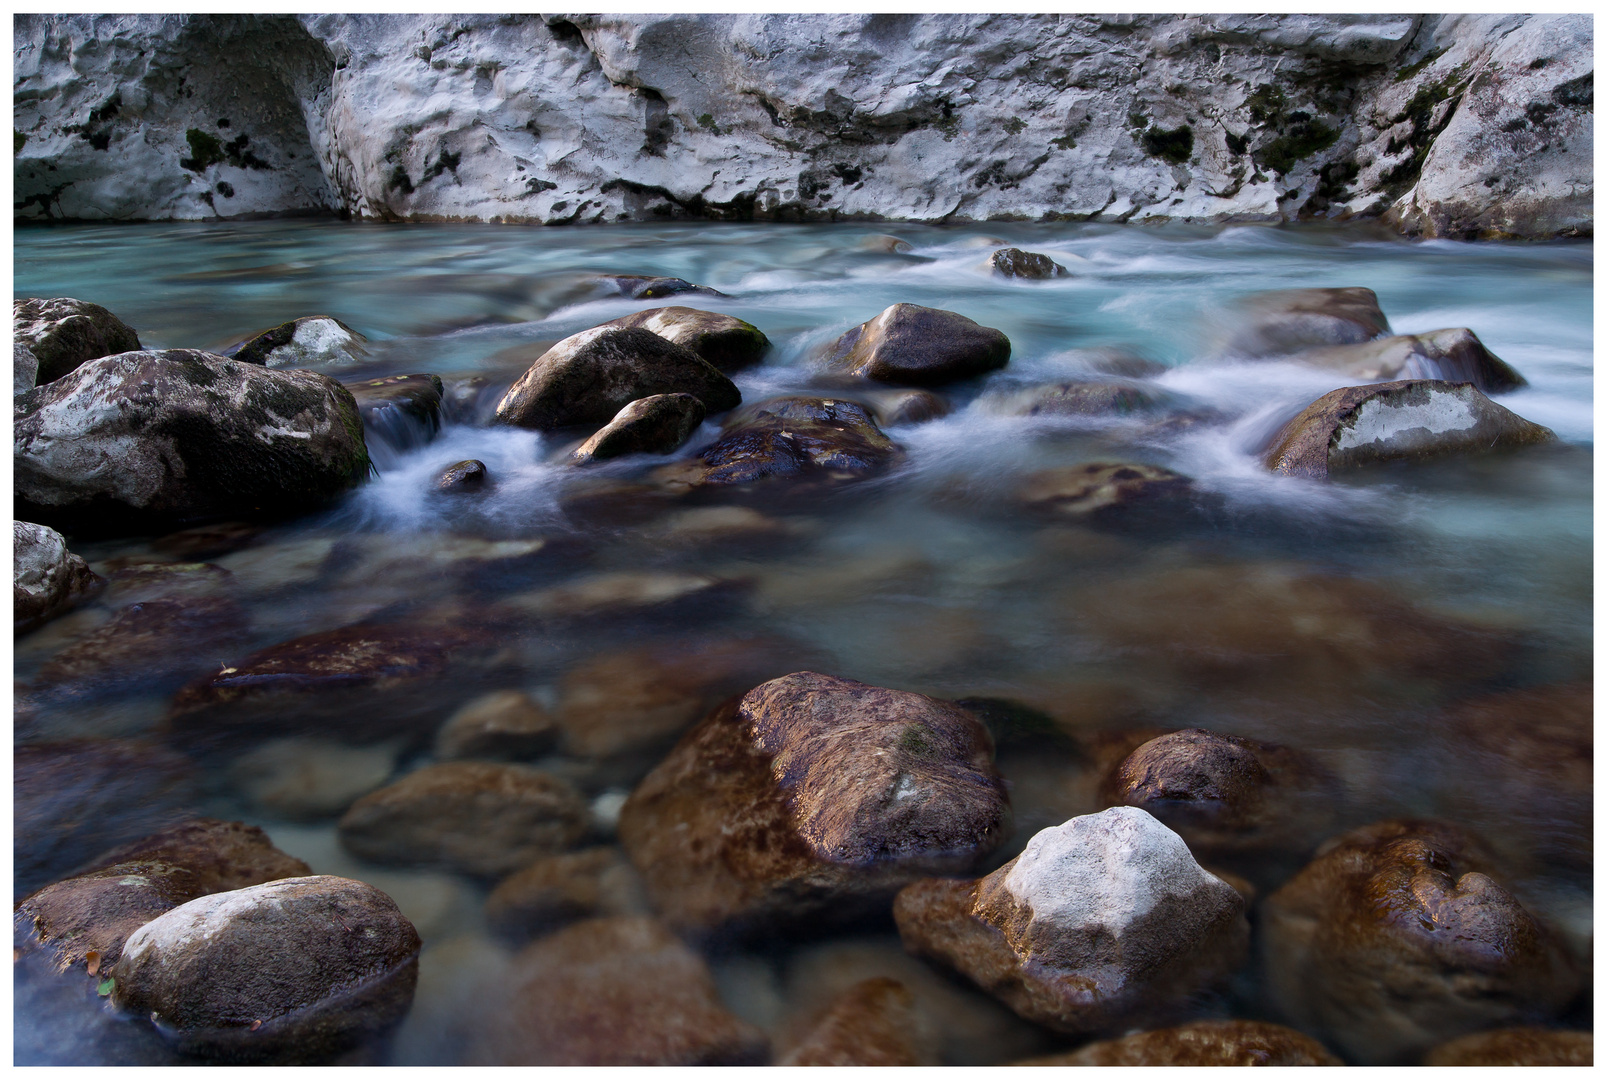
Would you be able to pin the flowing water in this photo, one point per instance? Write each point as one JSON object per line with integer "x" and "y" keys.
{"x": 933, "y": 577}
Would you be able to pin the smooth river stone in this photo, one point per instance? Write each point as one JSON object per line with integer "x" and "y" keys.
{"x": 1516, "y": 1046}
{"x": 63, "y": 333}
{"x": 659, "y": 424}
{"x": 311, "y": 340}
{"x": 1455, "y": 355}
{"x": 789, "y": 438}
{"x": 1289, "y": 320}
{"x": 1202, "y": 1043}
{"x": 501, "y": 724}
{"x": 726, "y": 342}
{"x": 47, "y": 579}
{"x": 910, "y": 345}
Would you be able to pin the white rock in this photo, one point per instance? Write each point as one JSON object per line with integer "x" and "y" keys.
{"x": 47, "y": 579}
{"x": 24, "y": 369}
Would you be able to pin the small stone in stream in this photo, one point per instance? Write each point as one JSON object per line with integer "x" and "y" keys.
{"x": 588, "y": 377}
{"x": 659, "y": 424}
{"x": 911, "y": 345}
{"x": 297, "y": 970}
{"x": 305, "y": 779}
{"x": 405, "y": 409}
{"x": 712, "y": 526}
{"x": 465, "y": 476}
{"x": 24, "y": 369}
{"x": 560, "y": 889}
{"x": 64, "y": 333}
{"x": 1014, "y": 263}
{"x": 613, "y": 991}
{"x": 47, "y": 580}
{"x": 1100, "y": 488}
{"x": 480, "y": 818}
{"x": 1449, "y": 355}
{"x": 154, "y": 642}
{"x": 872, "y": 1024}
{"x": 639, "y": 287}
{"x": 1394, "y": 940}
{"x": 728, "y": 343}
{"x": 310, "y": 340}
{"x": 789, "y": 438}
{"x": 892, "y": 407}
{"x": 1097, "y": 923}
{"x": 501, "y": 724}
{"x": 1202, "y": 1043}
{"x": 1289, "y": 320}
{"x": 1073, "y": 399}
{"x": 1516, "y": 1046}
{"x": 208, "y": 541}
{"x": 1412, "y": 420}
{"x": 812, "y": 798}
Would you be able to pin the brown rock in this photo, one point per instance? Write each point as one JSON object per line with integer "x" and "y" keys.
{"x": 166, "y": 581}
{"x": 1015, "y": 263}
{"x": 1074, "y": 399}
{"x": 790, "y": 438}
{"x": 1098, "y": 489}
{"x": 470, "y": 475}
{"x": 154, "y": 641}
{"x": 64, "y": 333}
{"x": 659, "y": 424}
{"x": 911, "y": 345}
{"x": 501, "y": 724}
{"x": 872, "y": 1024}
{"x": 1413, "y": 420}
{"x": 309, "y": 779}
{"x": 812, "y": 796}
{"x": 473, "y": 817}
{"x": 726, "y": 342}
{"x": 617, "y": 991}
{"x": 1202, "y": 1043}
{"x": 1451, "y": 355}
{"x": 1289, "y": 320}
{"x": 560, "y": 889}
{"x": 632, "y": 593}
{"x": 1393, "y": 940}
{"x": 588, "y": 377}
{"x": 1516, "y": 1046}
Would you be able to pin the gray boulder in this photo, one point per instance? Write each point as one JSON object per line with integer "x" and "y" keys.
{"x": 910, "y": 345}
{"x": 47, "y": 579}
{"x": 63, "y": 333}
{"x": 311, "y": 341}
{"x": 1455, "y": 355}
{"x": 1015, "y": 263}
{"x": 724, "y": 341}
{"x": 651, "y": 425}
{"x": 1290, "y": 320}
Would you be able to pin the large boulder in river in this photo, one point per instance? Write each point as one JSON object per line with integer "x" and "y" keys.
{"x": 290, "y": 971}
{"x": 1450, "y": 355}
{"x": 46, "y": 578}
{"x": 1396, "y": 938}
{"x": 651, "y": 425}
{"x": 588, "y": 377}
{"x": 723, "y": 340}
{"x": 1289, "y": 320}
{"x": 1201, "y": 1043}
{"x": 789, "y": 438}
{"x": 64, "y": 333}
{"x": 183, "y": 434}
{"x": 1410, "y": 420}
{"x": 910, "y": 345}
{"x": 812, "y": 798}
{"x": 311, "y": 341}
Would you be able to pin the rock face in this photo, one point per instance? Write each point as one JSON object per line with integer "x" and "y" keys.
{"x": 1202, "y": 1043}
{"x": 1449, "y": 355}
{"x": 651, "y": 425}
{"x": 1289, "y": 320}
{"x": 311, "y": 341}
{"x": 296, "y": 970}
{"x": 1447, "y": 125}
{"x": 64, "y": 333}
{"x": 1099, "y": 921}
{"x": 872, "y": 1024}
{"x": 1396, "y": 421}
{"x": 727, "y": 343}
{"x": 1015, "y": 263}
{"x": 910, "y": 345}
{"x": 617, "y": 991}
{"x": 588, "y": 377}
{"x": 812, "y": 797}
{"x": 1517, "y": 1046}
{"x": 184, "y": 434}
{"x": 789, "y": 438}
{"x": 1393, "y": 940}
{"x": 24, "y": 369}
{"x": 46, "y": 578}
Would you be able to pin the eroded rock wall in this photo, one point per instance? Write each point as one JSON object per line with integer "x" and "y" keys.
{"x": 1476, "y": 125}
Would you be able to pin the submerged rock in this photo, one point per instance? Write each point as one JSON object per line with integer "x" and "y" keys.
{"x": 463, "y": 477}
{"x": 874, "y": 1023}
{"x": 153, "y": 643}
{"x": 1290, "y": 320}
{"x": 659, "y": 424}
{"x": 815, "y": 798}
{"x": 313, "y": 340}
{"x": 1101, "y": 489}
{"x": 184, "y": 434}
{"x": 63, "y": 333}
{"x": 1201, "y": 1043}
{"x": 404, "y": 409}
{"x": 46, "y": 580}
{"x": 501, "y": 724}
{"x": 306, "y": 779}
{"x": 790, "y": 438}
{"x": 640, "y": 287}
{"x": 296, "y": 970}
{"x": 891, "y": 407}
{"x": 726, "y": 342}
{"x": 559, "y": 889}
{"x": 615, "y": 991}
{"x": 1411, "y": 420}
{"x": 474, "y": 817}
{"x": 1394, "y": 939}
{"x": 1015, "y": 263}
{"x": 1516, "y": 1046}
{"x": 912, "y": 345}
{"x": 589, "y": 377}
{"x": 1073, "y": 399}
{"x": 1447, "y": 355}
{"x": 1100, "y": 921}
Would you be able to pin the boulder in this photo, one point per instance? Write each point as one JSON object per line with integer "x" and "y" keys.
{"x": 891, "y": 407}
{"x": 588, "y": 377}
{"x": 464, "y": 477}
{"x": 404, "y": 410}
{"x": 1097, "y": 923}
{"x": 1201, "y": 1043}
{"x": 1015, "y": 263}
{"x": 1395, "y": 939}
{"x": 63, "y": 333}
{"x": 659, "y": 424}
{"x": 311, "y": 341}
{"x": 1516, "y": 1046}
{"x": 1448, "y": 355}
{"x": 1101, "y": 490}
{"x": 1073, "y": 399}
{"x": 501, "y": 724}
{"x": 479, "y": 818}
{"x": 910, "y": 345}
{"x": 184, "y": 434}
{"x": 151, "y": 644}
{"x": 1411, "y": 420}
{"x": 643, "y": 287}
{"x": 812, "y": 798}
{"x": 24, "y": 369}
{"x": 291, "y": 971}
{"x": 874, "y": 1023}
{"x": 790, "y": 438}
{"x": 309, "y": 779}
{"x": 613, "y": 991}
{"x": 559, "y": 889}
{"x": 726, "y": 342}
{"x": 1291, "y": 320}
{"x": 47, "y": 579}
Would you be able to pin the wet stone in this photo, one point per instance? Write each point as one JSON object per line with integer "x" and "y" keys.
{"x": 1202, "y": 1043}
{"x": 1289, "y": 320}
{"x": 479, "y": 818}
{"x": 465, "y": 476}
{"x": 1395, "y": 939}
{"x": 153, "y": 643}
{"x": 1104, "y": 489}
{"x": 1015, "y": 263}
{"x": 208, "y": 541}
{"x": 1097, "y": 923}
{"x": 628, "y": 593}
{"x": 24, "y": 369}
{"x": 812, "y": 798}
{"x": 63, "y": 333}
{"x": 789, "y": 438}
{"x": 910, "y": 345}
{"x": 47, "y": 580}
{"x": 559, "y": 889}
{"x": 726, "y": 342}
{"x": 306, "y": 779}
{"x": 659, "y": 424}
{"x": 1449, "y": 355}
{"x": 873, "y": 1023}
{"x": 167, "y": 581}
{"x": 1516, "y": 1046}
{"x": 501, "y": 724}
{"x": 403, "y": 410}
{"x": 890, "y": 407}
{"x": 313, "y": 340}
{"x": 639, "y": 287}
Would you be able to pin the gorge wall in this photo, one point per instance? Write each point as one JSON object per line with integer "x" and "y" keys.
{"x": 1441, "y": 125}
